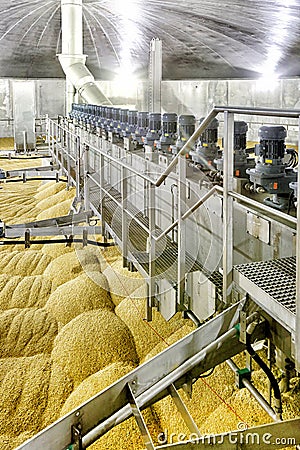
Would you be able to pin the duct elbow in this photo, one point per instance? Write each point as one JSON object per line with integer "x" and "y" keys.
{"x": 79, "y": 75}
{"x": 89, "y": 91}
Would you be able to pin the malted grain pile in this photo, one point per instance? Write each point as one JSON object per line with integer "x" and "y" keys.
{"x": 8, "y": 285}
{"x": 62, "y": 209}
{"x": 21, "y": 438}
{"x": 46, "y": 190}
{"x": 7, "y": 198}
{"x": 79, "y": 295}
{"x": 132, "y": 312}
{"x": 32, "y": 291}
{"x": 89, "y": 259}
{"x": 111, "y": 255}
{"x": 6, "y": 257}
{"x": 122, "y": 282}
{"x": 92, "y": 341}
{"x": 247, "y": 408}
{"x": 206, "y": 398}
{"x": 63, "y": 268}
{"x": 6, "y": 442}
{"x": 29, "y": 262}
{"x": 13, "y": 214}
{"x": 60, "y": 388}
{"x": 95, "y": 383}
{"x": 13, "y": 190}
{"x": 127, "y": 435}
{"x": 174, "y": 337}
{"x": 14, "y": 210}
{"x": 26, "y": 332}
{"x": 24, "y": 292}
{"x": 55, "y": 199}
{"x": 23, "y": 392}
{"x": 56, "y": 250}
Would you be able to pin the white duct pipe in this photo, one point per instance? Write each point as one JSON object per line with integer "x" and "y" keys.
{"x": 72, "y": 59}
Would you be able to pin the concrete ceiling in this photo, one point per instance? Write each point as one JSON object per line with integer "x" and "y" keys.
{"x": 201, "y": 38}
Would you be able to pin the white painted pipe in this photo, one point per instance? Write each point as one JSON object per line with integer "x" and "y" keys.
{"x": 71, "y": 27}
{"x": 72, "y": 59}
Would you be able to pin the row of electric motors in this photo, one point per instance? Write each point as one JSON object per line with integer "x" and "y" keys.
{"x": 271, "y": 171}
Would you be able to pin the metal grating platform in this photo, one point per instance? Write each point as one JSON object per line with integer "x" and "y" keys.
{"x": 271, "y": 284}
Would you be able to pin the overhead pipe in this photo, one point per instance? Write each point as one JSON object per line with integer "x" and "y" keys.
{"x": 73, "y": 60}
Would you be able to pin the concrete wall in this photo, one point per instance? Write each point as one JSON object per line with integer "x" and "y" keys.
{"x": 49, "y": 99}
{"x": 198, "y": 97}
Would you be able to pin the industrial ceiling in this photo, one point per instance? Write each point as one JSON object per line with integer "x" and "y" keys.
{"x": 200, "y": 38}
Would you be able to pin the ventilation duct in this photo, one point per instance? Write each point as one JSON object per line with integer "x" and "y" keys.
{"x": 73, "y": 60}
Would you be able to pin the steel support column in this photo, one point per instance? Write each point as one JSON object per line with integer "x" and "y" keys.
{"x": 152, "y": 251}
{"x": 77, "y": 166}
{"x": 297, "y": 331}
{"x": 101, "y": 206}
{"x": 124, "y": 216}
{"x": 181, "y": 232}
{"x": 228, "y": 205}
{"x": 86, "y": 179}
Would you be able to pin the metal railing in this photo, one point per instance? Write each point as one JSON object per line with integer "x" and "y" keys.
{"x": 67, "y": 140}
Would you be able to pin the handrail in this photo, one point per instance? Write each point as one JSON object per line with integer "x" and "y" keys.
{"x": 58, "y": 125}
{"x": 204, "y": 124}
{"x": 265, "y": 208}
{"x": 120, "y": 163}
{"x": 253, "y": 111}
{"x": 193, "y": 208}
{"x": 108, "y": 156}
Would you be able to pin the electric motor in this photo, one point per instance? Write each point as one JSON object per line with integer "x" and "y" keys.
{"x": 272, "y": 144}
{"x": 142, "y": 126}
{"x": 169, "y": 130}
{"x": 210, "y": 135}
{"x": 185, "y": 129}
{"x": 240, "y": 135}
{"x": 186, "y": 126}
